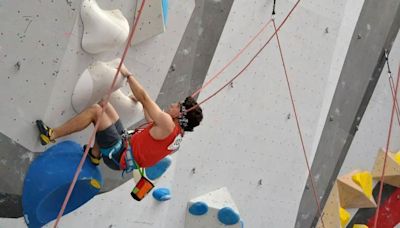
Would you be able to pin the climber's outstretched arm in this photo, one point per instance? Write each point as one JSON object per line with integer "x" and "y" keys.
{"x": 160, "y": 118}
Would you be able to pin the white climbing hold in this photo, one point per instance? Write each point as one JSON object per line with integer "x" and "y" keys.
{"x": 129, "y": 111}
{"x": 103, "y": 30}
{"x": 94, "y": 84}
{"x": 215, "y": 201}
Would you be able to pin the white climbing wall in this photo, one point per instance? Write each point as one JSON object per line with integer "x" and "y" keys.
{"x": 46, "y": 44}
{"x": 248, "y": 140}
{"x": 38, "y": 84}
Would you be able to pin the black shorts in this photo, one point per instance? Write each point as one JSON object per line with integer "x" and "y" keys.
{"x": 109, "y": 138}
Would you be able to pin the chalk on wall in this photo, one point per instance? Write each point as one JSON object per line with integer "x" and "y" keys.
{"x": 392, "y": 170}
{"x": 351, "y": 194}
{"x": 214, "y": 209}
{"x": 104, "y": 30}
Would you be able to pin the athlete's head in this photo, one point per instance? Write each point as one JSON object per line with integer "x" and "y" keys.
{"x": 188, "y": 118}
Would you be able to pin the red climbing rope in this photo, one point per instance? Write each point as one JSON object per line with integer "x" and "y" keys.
{"x": 391, "y": 82}
{"x": 91, "y": 139}
{"x": 245, "y": 67}
{"x": 276, "y": 29}
{"x": 387, "y": 149}
{"x": 232, "y": 60}
{"x": 298, "y": 127}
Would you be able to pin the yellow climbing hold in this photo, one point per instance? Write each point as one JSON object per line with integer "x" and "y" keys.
{"x": 397, "y": 157}
{"x": 344, "y": 216}
{"x": 364, "y": 180}
{"x": 95, "y": 183}
{"x": 360, "y": 226}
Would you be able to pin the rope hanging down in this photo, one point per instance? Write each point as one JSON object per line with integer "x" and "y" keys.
{"x": 299, "y": 129}
{"x": 232, "y": 60}
{"x": 91, "y": 139}
{"x": 245, "y": 67}
{"x": 276, "y": 29}
{"x": 387, "y": 148}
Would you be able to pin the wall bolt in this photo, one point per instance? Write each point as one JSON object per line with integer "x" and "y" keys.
{"x": 330, "y": 118}
{"x": 17, "y": 66}
{"x": 231, "y": 84}
{"x": 326, "y": 30}
{"x": 359, "y": 36}
{"x": 260, "y": 182}
{"x": 172, "y": 68}
{"x": 193, "y": 170}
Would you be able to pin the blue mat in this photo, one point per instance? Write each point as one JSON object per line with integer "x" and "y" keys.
{"x": 47, "y": 181}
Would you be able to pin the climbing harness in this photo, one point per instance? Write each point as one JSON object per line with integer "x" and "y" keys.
{"x": 144, "y": 185}
{"x": 131, "y": 164}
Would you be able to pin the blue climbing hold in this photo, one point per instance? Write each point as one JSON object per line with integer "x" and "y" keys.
{"x": 158, "y": 169}
{"x": 198, "y": 208}
{"x": 48, "y": 179}
{"x": 165, "y": 11}
{"x": 228, "y": 216}
{"x": 162, "y": 194}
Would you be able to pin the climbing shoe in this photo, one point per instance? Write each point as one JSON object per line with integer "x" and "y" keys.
{"x": 94, "y": 160}
{"x": 45, "y": 133}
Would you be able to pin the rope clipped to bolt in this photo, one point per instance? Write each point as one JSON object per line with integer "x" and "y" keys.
{"x": 394, "y": 107}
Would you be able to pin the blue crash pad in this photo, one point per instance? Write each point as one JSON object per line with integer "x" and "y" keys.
{"x": 48, "y": 179}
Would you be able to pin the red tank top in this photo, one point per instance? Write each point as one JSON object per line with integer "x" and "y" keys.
{"x": 147, "y": 151}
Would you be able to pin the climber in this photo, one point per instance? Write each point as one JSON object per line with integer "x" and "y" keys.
{"x": 149, "y": 145}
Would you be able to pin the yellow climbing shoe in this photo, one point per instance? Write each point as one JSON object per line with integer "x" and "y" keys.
{"x": 94, "y": 160}
{"x": 45, "y": 133}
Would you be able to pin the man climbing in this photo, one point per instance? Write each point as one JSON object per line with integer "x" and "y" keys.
{"x": 149, "y": 145}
